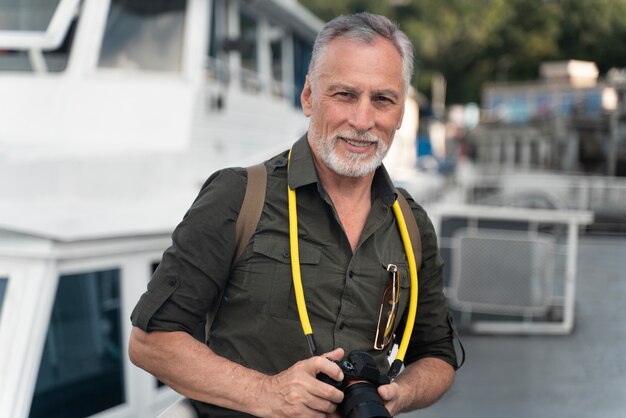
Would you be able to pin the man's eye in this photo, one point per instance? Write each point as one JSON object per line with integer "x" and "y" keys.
{"x": 383, "y": 99}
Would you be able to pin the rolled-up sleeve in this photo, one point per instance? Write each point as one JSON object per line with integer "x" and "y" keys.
{"x": 195, "y": 268}
{"x": 433, "y": 333}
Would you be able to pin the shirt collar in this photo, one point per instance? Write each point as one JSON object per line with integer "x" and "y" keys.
{"x": 302, "y": 172}
{"x": 383, "y": 186}
{"x": 301, "y": 166}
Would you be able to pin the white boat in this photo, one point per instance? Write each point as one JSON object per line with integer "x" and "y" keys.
{"x": 114, "y": 112}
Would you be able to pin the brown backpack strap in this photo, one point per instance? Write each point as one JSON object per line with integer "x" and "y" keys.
{"x": 247, "y": 220}
{"x": 411, "y": 226}
{"x": 251, "y": 208}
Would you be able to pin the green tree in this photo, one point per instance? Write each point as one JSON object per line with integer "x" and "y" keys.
{"x": 476, "y": 41}
{"x": 595, "y": 31}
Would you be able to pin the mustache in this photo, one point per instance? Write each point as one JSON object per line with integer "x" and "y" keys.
{"x": 356, "y": 136}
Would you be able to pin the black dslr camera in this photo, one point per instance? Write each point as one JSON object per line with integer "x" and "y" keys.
{"x": 361, "y": 378}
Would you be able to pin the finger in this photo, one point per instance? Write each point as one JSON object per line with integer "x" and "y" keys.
{"x": 329, "y": 368}
{"x": 322, "y": 389}
{"x": 336, "y": 354}
{"x": 313, "y": 393}
{"x": 390, "y": 395}
{"x": 388, "y": 392}
{"x": 322, "y": 405}
{"x": 328, "y": 392}
{"x": 300, "y": 394}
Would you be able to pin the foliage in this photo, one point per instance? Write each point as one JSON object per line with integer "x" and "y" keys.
{"x": 476, "y": 41}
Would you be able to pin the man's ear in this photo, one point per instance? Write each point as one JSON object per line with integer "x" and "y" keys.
{"x": 305, "y": 97}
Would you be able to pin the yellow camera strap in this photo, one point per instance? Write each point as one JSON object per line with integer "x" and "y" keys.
{"x": 408, "y": 248}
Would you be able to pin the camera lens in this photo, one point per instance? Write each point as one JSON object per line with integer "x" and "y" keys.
{"x": 361, "y": 400}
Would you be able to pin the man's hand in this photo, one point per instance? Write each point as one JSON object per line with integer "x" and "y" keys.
{"x": 297, "y": 392}
{"x": 419, "y": 385}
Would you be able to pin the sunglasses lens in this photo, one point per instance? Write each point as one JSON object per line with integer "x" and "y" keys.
{"x": 386, "y": 315}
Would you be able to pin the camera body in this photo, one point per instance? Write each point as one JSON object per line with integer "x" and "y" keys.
{"x": 357, "y": 366}
{"x": 361, "y": 379}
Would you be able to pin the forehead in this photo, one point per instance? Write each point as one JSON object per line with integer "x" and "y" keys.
{"x": 346, "y": 59}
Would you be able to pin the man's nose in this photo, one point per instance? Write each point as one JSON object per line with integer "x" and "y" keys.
{"x": 362, "y": 116}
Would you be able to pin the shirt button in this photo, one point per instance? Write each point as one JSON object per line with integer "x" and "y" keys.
{"x": 341, "y": 326}
{"x": 286, "y": 254}
{"x": 351, "y": 274}
{"x": 171, "y": 282}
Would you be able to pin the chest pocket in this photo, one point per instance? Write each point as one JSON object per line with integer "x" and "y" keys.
{"x": 272, "y": 259}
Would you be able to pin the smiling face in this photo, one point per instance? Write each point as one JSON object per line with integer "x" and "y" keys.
{"x": 355, "y": 102}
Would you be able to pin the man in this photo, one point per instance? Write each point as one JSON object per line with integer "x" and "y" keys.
{"x": 256, "y": 360}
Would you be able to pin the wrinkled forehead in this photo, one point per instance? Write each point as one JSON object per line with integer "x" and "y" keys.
{"x": 346, "y": 57}
{"x": 377, "y": 55}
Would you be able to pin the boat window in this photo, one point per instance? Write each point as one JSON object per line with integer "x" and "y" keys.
{"x": 3, "y": 287}
{"x": 249, "y": 75}
{"x": 27, "y": 21}
{"x": 248, "y": 37}
{"x": 276, "y": 49}
{"x": 27, "y": 15}
{"x": 143, "y": 35}
{"x": 302, "y": 51}
{"x": 213, "y": 41}
{"x": 81, "y": 370}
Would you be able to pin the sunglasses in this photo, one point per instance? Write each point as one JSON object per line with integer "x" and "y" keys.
{"x": 388, "y": 310}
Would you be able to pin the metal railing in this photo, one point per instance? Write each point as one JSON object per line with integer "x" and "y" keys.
{"x": 510, "y": 270}
{"x": 574, "y": 192}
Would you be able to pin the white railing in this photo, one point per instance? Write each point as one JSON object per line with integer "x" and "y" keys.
{"x": 503, "y": 267}
{"x": 573, "y": 192}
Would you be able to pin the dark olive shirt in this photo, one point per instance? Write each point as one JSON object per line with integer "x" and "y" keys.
{"x": 257, "y": 324}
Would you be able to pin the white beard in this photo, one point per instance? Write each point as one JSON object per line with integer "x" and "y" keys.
{"x": 350, "y": 164}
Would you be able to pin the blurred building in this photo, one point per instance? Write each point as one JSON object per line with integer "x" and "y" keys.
{"x": 570, "y": 120}
{"x": 565, "y": 88}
